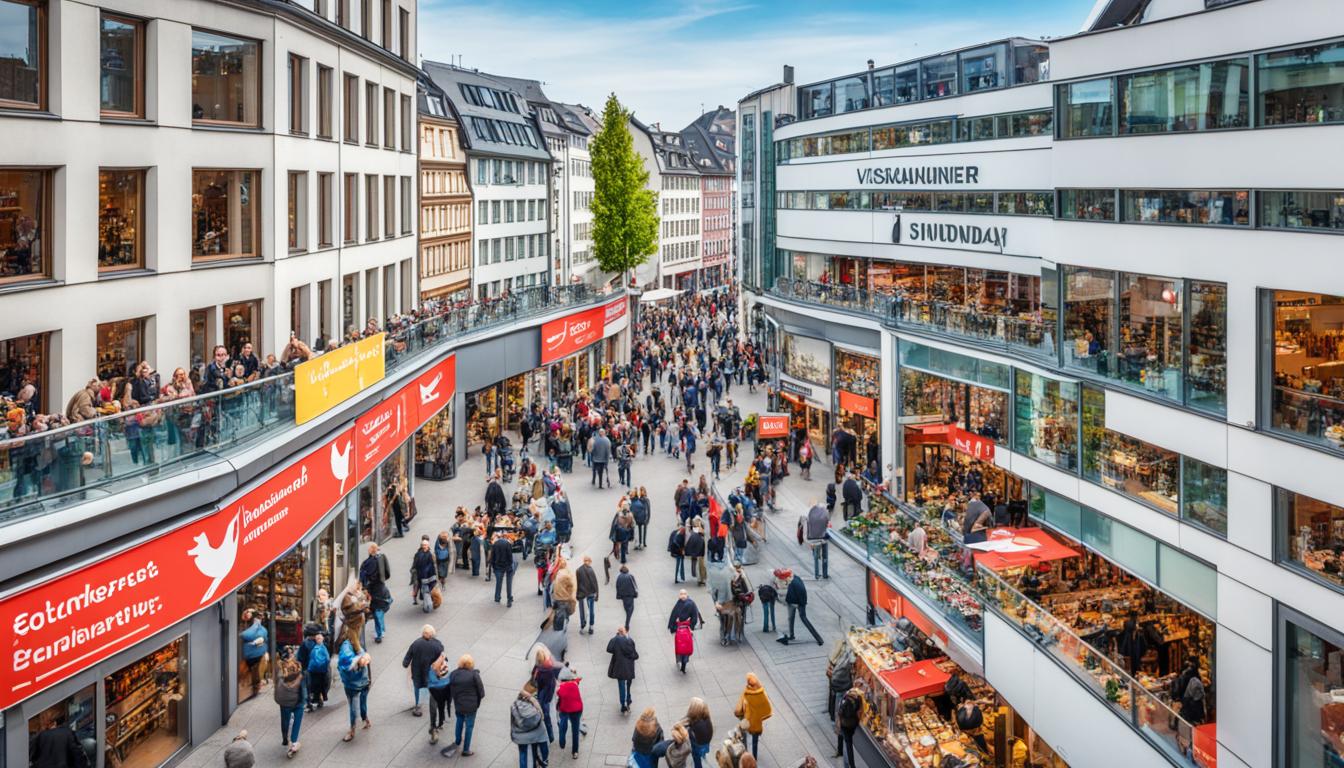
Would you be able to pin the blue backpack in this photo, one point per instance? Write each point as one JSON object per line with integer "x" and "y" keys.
{"x": 319, "y": 660}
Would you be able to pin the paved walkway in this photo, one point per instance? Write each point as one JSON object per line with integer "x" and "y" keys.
{"x": 470, "y": 622}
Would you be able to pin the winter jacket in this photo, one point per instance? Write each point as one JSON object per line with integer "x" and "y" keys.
{"x": 684, "y": 610}
{"x": 849, "y": 712}
{"x": 587, "y": 582}
{"x": 563, "y": 590}
{"x": 639, "y": 507}
{"x": 695, "y": 544}
{"x": 419, "y": 657}
{"x": 644, "y": 744}
{"x": 352, "y": 677}
{"x": 443, "y": 550}
{"x": 676, "y": 543}
{"x": 423, "y": 565}
{"x": 600, "y": 452}
{"x": 526, "y": 725}
{"x": 702, "y": 731}
{"x": 767, "y": 593}
{"x": 467, "y": 690}
{"x": 626, "y": 588}
{"x": 501, "y": 555}
{"x": 797, "y": 594}
{"x": 755, "y": 708}
{"x": 568, "y": 697}
{"x": 623, "y": 657}
{"x": 678, "y": 754}
{"x": 289, "y": 690}
{"x": 252, "y": 650}
{"x": 817, "y": 523}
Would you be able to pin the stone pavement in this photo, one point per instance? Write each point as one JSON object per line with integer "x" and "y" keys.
{"x": 500, "y": 639}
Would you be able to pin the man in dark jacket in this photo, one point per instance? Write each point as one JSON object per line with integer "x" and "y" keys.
{"x": 467, "y": 690}
{"x": 495, "y": 501}
{"x": 852, "y": 495}
{"x": 600, "y": 454}
{"x": 817, "y": 523}
{"x": 622, "y": 665}
{"x": 676, "y": 547}
{"x": 424, "y": 568}
{"x": 56, "y": 746}
{"x": 373, "y": 575}
{"x": 501, "y": 562}
{"x": 422, "y": 654}
{"x": 848, "y": 716}
{"x": 586, "y": 593}
{"x": 684, "y": 610}
{"x": 796, "y": 598}
{"x": 695, "y": 549}
{"x": 626, "y": 591}
{"x": 639, "y": 507}
{"x": 564, "y": 518}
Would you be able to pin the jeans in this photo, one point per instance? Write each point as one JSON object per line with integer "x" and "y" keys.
{"x": 624, "y": 548}
{"x": 623, "y": 474}
{"x": 768, "y": 616}
{"x": 379, "y": 622}
{"x": 714, "y": 465}
{"x": 756, "y": 742}
{"x": 642, "y": 534}
{"x": 290, "y": 720}
{"x": 489, "y": 464}
{"x": 541, "y": 754}
{"x": 698, "y": 752}
{"x": 591, "y": 602}
{"x": 679, "y": 570}
{"x": 546, "y": 717}
{"x": 739, "y": 553}
{"x": 468, "y": 722}
{"x": 623, "y": 692}
{"x": 439, "y": 705}
{"x": 362, "y": 697}
{"x": 821, "y": 560}
{"x": 570, "y": 720}
{"x": 599, "y": 472}
{"x": 417, "y": 695}
{"x": 800, "y": 611}
{"x": 502, "y": 574}
{"x": 629, "y": 604}
{"x": 844, "y": 744}
{"x": 695, "y": 568}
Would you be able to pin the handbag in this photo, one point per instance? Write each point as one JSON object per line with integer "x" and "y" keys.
{"x": 436, "y": 596}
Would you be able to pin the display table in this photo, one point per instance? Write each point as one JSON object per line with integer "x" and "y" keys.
{"x": 1023, "y": 547}
{"x": 923, "y": 678}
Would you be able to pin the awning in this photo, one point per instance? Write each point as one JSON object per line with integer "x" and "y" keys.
{"x": 969, "y": 443}
{"x": 923, "y": 678}
{"x": 1018, "y": 547}
{"x": 659, "y": 294}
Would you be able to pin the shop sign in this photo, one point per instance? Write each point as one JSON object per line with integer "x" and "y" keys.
{"x": 563, "y": 337}
{"x": 920, "y": 175}
{"x": 614, "y": 317}
{"x": 326, "y": 381}
{"x": 1205, "y": 745}
{"x": 70, "y": 623}
{"x": 972, "y": 444}
{"x": 923, "y": 232}
{"x": 864, "y": 406}
{"x": 434, "y": 389}
{"x": 385, "y": 426}
{"x": 797, "y": 389}
{"x": 770, "y": 425}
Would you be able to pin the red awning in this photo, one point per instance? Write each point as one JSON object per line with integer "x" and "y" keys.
{"x": 923, "y": 678}
{"x": 1019, "y": 547}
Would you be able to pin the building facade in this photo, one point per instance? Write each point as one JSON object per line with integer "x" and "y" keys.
{"x": 509, "y": 167}
{"x": 992, "y": 268}
{"x": 577, "y": 194}
{"x": 712, "y": 145}
{"x": 676, "y": 182}
{"x": 446, "y": 204}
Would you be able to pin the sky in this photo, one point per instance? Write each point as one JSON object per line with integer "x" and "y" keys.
{"x": 669, "y": 60}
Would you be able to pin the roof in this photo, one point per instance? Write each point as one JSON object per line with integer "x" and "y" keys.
{"x": 552, "y": 115}
{"x": 489, "y": 128}
{"x": 670, "y": 150}
{"x": 712, "y": 141}
{"x": 430, "y": 100}
{"x": 1114, "y": 13}
{"x": 590, "y": 120}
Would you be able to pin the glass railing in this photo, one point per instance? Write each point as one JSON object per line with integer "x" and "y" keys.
{"x": 839, "y": 296}
{"x": 1152, "y": 717}
{"x": 46, "y": 471}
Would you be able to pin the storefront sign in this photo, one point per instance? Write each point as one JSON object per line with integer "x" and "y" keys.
{"x": 864, "y": 406}
{"x": 326, "y": 381}
{"x": 392, "y": 422}
{"x": 563, "y": 337}
{"x": 770, "y": 425}
{"x": 794, "y": 387}
{"x": 434, "y": 389}
{"x": 920, "y": 175}
{"x": 923, "y": 233}
{"x": 1205, "y": 745}
{"x": 972, "y": 444}
{"x": 615, "y": 317}
{"x": 67, "y": 625}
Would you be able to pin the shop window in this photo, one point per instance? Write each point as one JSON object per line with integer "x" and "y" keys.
{"x": 25, "y": 213}
{"x": 1206, "y": 375}
{"x": 1204, "y": 494}
{"x": 1223, "y": 208}
{"x": 1146, "y": 473}
{"x": 1031, "y": 63}
{"x": 1309, "y": 664}
{"x": 851, "y": 94}
{"x": 1089, "y": 305}
{"x": 1311, "y": 536}
{"x": 1199, "y": 97}
{"x": 857, "y": 373}
{"x": 121, "y": 345}
{"x": 226, "y": 79}
{"x": 1308, "y": 367}
{"x": 1149, "y": 348}
{"x": 807, "y": 359}
{"x": 122, "y": 71}
{"x": 984, "y": 68}
{"x": 148, "y": 717}
{"x": 975, "y": 409}
{"x": 23, "y": 361}
{"x": 1087, "y": 204}
{"x": 1026, "y": 203}
{"x": 1303, "y": 86}
{"x": 975, "y": 128}
{"x": 1301, "y": 209}
{"x": 1085, "y": 109}
{"x": 884, "y": 88}
{"x": 224, "y": 208}
{"x": 1026, "y": 124}
{"x": 816, "y": 101}
{"x": 1045, "y": 423}
{"x": 240, "y": 326}
{"x": 120, "y": 220}
{"x": 51, "y": 730}
{"x": 25, "y": 53}
{"x": 939, "y": 76}
{"x": 270, "y": 621}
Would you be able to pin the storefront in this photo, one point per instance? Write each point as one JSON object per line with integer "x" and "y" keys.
{"x": 858, "y": 388}
{"x": 434, "y": 455}
{"x": 805, "y": 388}
{"x": 944, "y": 459}
{"x": 24, "y": 360}
{"x": 121, "y": 346}
{"x": 1308, "y": 373}
{"x": 809, "y": 416}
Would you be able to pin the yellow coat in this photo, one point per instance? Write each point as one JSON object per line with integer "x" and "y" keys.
{"x": 755, "y": 708}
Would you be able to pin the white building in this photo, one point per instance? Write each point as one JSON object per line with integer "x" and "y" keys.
{"x": 177, "y": 175}
{"x": 676, "y": 182}
{"x": 509, "y": 167}
{"x": 1115, "y": 297}
{"x": 577, "y": 185}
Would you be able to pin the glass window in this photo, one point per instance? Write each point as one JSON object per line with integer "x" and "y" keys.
{"x": 807, "y": 359}
{"x": 884, "y": 88}
{"x": 1089, "y": 308}
{"x": 906, "y": 83}
{"x": 122, "y": 70}
{"x": 225, "y": 79}
{"x": 25, "y": 198}
{"x": 816, "y": 100}
{"x": 1304, "y": 86}
{"x": 224, "y": 207}
{"x": 1308, "y": 372}
{"x": 1149, "y": 346}
{"x": 74, "y": 715}
{"x": 121, "y": 345}
{"x": 1311, "y": 534}
{"x": 1204, "y": 494}
{"x": 351, "y": 107}
{"x": 1301, "y": 209}
{"x": 1031, "y": 63}
{"x": 1029, "y": 124}
{"x": 1206, "y": 376}
{"x": 1187, "y": 579}
{"x": 984, "y": 68}
{"x": 1087, "y": 204}
{"x": 120, "y": 235}
{"x": 851, "y": 93}
{"x": 23, "y": 361}
{"x": 980, "y": 202}
{"x": 1181, "y": 206}
{"x": 298, "y": 96}
{"x": 1146, "y": 473}
{"x": 939, "y": 76}
{"x": 295, "y": 203}
{"x": 23, "y": 49}
{"x": 1086, "y": 109}
{"x": 1026, "y": 203}
{"x": 1045, "y": 420}
{"x": 324, "y": 101}
{"x": 1312, "y": 736}
{"x": 975, "y": 128}
{"x": 1199, "y": 97}
{"x": 1060, "y": 513}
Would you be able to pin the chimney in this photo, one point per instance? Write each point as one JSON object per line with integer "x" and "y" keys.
{"x": 870, "y": 65}
{"x": 788, "y": 74}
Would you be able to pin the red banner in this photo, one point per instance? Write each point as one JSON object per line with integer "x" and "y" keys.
{"x": 563, "y": 337}
{"x": 383, "y": 428}
{"x": 435, "y": 389}
{"x": 613, "y": 316}
{"x": 772, "y": 425}
{"x": 864, "y": 406}
{"x": 972, "y": 444}
{"x": 64, "y": 626}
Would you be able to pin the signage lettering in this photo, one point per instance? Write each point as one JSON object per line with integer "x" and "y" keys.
{"x": 789, "y": 386}
{"x": 772, "y": 425}
{"x": 921, "y": 175}
{"x": 957, "y": 234}
{"x": 563, "y": 337}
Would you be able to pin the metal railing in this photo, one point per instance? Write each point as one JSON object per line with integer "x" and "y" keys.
{"x": 42, "y": 472}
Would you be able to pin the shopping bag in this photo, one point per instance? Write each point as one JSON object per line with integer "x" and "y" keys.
{"x": 436, "y": 596}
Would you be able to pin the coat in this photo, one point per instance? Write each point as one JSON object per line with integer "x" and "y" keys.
{"x": 600, "y": 453}
{"x": 695, "y": 545}
{"x": 797, "y": 594}
{"x": 684, "y": 610}
{"x": 623, "y": 657}
{"x": 420, "y": 657}
{"x": 467, "y": 690}
{"x": 501, "y": 555}
{"x": 587, "y": 582}
{"x": 352, "y": 677}
{"x": 678, "y": 754}
{"x": 626, "y": 588}
{"x": 568, "y": 697}
{"x": 564, "y": 589}
{"x": 526, "y": 725}
{"x": 56, "y": 748}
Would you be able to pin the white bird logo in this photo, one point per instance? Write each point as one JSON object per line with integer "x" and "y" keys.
{"x": 429, "y": 392}
{"x": 216, "y": 562}
{"x": 340, "y": 464}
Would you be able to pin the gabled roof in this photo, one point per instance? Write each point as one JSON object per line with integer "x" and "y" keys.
{"x": 431, "y": 101}
{"x": 455, "y": 82}
{"x": 711, "y": 140}
{"x": 544, "y": 108}
{"x": 670, "y": 149}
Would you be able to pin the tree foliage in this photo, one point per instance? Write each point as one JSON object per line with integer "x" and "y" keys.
{"x": 625, "y": 211}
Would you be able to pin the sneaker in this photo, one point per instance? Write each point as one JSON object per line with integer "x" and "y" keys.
{"x": 468, "y": 753}
{"x": 417, "y": 711}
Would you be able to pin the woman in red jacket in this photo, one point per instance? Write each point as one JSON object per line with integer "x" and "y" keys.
{"x": 569, "y": 703}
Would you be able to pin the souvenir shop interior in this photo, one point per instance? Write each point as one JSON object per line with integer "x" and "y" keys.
{"x": 1309, "y": 366}
{"x": 808, "y": 362}
{"x": 1311, "y": 533}
{"x": 935, "y": 468}
{"x": 434, "y": 451}
{"x": 501, "y": 407}
{"x": 858, "y": 387}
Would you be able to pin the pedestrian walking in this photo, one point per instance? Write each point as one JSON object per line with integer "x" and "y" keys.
{"x": 621, "y": 668}
{"x": 373, "y": 575}
{"x": 626, "y": 591}
{"x": 700, "y": 728}
{"x": 586, "y": 594}
{"x": 795, "y": 596}
{"x": 444, "y": 554}
{"x": 527, "y": 730}
{"x": 239, "y": 753}
{"x": 290, "y": 695}
{"x": 815, "y": 525}
{"x": 695, "y": 551}
{"x": 356, "y": 678}
{"x": 316, "y": 659}
{"x": 422, "y": 654}
{"x": 676, "y": 547}
{"x": 467, "y": 691}
{"x": 768, "y": 594}
{"x": 642, "y": 510}
{"x": 440, "y": 697}
{"x": 545, "y": 674}
{"x": 503, "y": 565}
{"x": 685, "y": 618}
{"x": 848, "y": 716}
{"x": 599, "y": 452}
{"x": 646, "y": 739}
{"x": 754, "y": 707}
{"x": 569, "y": 705}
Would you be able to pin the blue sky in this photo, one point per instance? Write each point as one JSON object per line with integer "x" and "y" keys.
{"x": 667, "y": 59}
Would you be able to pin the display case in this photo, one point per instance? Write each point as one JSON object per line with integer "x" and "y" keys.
{"x": 145, "y": 708}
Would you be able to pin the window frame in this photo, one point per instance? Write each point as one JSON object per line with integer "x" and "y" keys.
{"x": 43, "y": 63}
{"x": 326, "y": 82}
{"x": 261, "y": 84}
{"x": 350, "y": 108}
{"x": 371, "y": 98}
{"x": 255, "y": 200}
{"x": 141, "y": 176}
{"x": 296, "y": 79}
{"x": 325, "y": 210}
{"x": 296, "y": 197}
{"x": 1283, "y": 616}
{"x": 139, "y": 73}
{"x": 390, "y": 118}
{"x": 389, "y": 207}
{"x": 371, "y": 186}
{"x": 350, "y": 209}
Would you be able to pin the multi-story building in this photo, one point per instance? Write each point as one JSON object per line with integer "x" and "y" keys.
{"x": 223, "y": 173}
{"x": 710, "y": 140}
{"x": 445, "y": 199}
{"x": 509, "y": 168}
{"x": 578, "y": 184}
{"x": 1038, "y": 273}
{"x": 675, "y": 180}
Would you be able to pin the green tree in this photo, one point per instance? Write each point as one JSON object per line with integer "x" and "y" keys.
{"x": 625, "y": 211}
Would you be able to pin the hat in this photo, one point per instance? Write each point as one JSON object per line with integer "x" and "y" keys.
{"x": 783, "y": 574}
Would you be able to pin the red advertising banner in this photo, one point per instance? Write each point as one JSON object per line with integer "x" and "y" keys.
{"x": 384, "y": 427}
{"x": 563, "y": 337}
{"x": 434, "y": 389}
{"x": 772, "y": 425}
{"x": 972, "y": 444}
{"x": 63, "y": 626}
{"x": 864, "y": 406}
{"x": 614, "y": 317}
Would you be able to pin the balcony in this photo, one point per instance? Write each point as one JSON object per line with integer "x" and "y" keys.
{"x": 49, "y": 471}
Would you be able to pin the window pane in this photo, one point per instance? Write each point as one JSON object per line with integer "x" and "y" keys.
{"x": 1311, "y": 667}
{"x": 1149, "y": 346}
{"x": 1302, "y": 86}
{"x": 1200, "y": 97}
{"x": 884, "y": 88}
{"x": 940, "y": 76}
{"x": 225, "y": 82}
{"x": 1308, "y": 374}
{"x": 21, "y": 49}
{"x": 1031, "y": 124}
{"x": 1087, "y": 204}
{"x": 1089, "y": 306}
{"x": 1134, "y": 550}
{"x": 1031, "y": 64}
{"x": 1046, "y": 420}
{"x": 816, "y": 101}
{"x": 1204, "y": 494}
{"x": 76, "y": 713}
{"x": 983, "y": 68}
{"x": 1146, "y": 473}
{"x": 120, "y": 66}
{"x": 1085, "y": 109}
{"x": 1059, "y": 512}
{"x": 1206, "y": 380}
{"x": 1179, "y": 206}
{"x": 23, "y": 212}
{"x": 851, "y": 94}
{"x": 906, "y": 79}
{"x": 119, "y": 217}
{"x": 1312, "y": 535}
{"x": 223, "y": 214}
{"x": 1302, "y": 209}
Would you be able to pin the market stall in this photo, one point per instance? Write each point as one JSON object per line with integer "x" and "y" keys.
{"x": 943, "y": 459}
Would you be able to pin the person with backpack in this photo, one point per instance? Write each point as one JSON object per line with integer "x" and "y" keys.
{"x": 440, "y": 697}
{"x": 768, "y": 595}
{"x": 356, "y": 679}
{"x": 840, "y": 670}
{"x": 815, "y": 525}
{"x": 621, "y": 668}
{"x": 685, "y": 618}
{"x": 569, "y": 705}
{"x": 626, "y": 591}
{"x": 847, "y": 718}
{"x": 467, "y": 691}
{"x": 319, "y": 671}
{"x": 676, "y": 547}
{"x": 290, "y": 695}
{"x": 527, "y": 729}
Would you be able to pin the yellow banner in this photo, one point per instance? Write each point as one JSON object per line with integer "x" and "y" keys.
{"x": 326, "y": 381}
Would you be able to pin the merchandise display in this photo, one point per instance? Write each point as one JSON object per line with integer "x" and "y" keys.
{"x": 976, "y": 409}
{"x": 434, "y": 457}
{"x": 1309, "y": 366}
{"x": 145, "y": 708}
{"x": 483, "y": 423}
{"x": 933, "y": 472}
